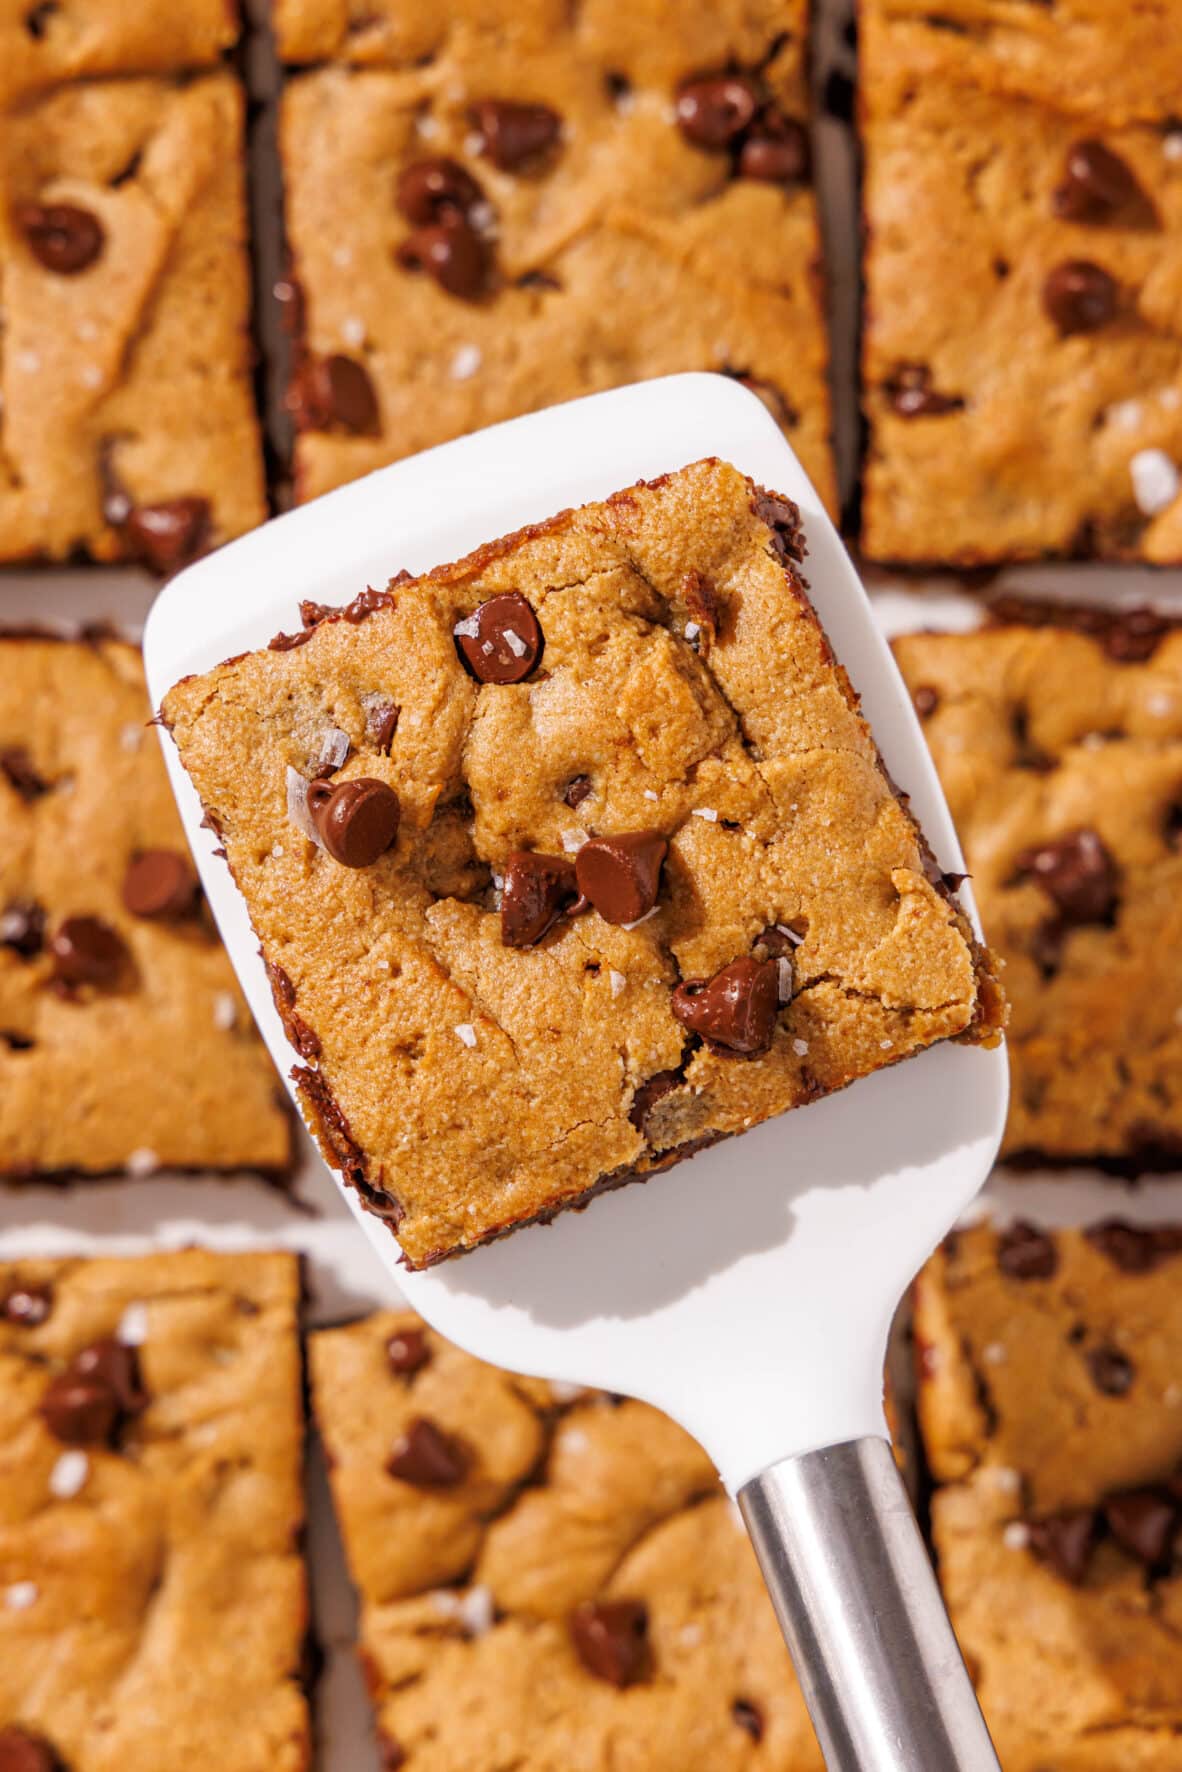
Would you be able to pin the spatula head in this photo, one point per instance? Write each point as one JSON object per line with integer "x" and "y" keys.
{"x": 749, "y": 1294}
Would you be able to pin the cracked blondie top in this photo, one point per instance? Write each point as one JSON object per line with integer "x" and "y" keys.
{"x": 525, "y": 204}
{"x": 548, "y": 1577}
{"x": 127, "y": 428}
{"x": 44, "y": 42}
{"x": 124, "y": 1041}
{"x": 1060, "y": 751}
{"x": 1038, "y": 409}
{"x": 152, "y": 1594}
{"x": 573, "y": 857}
{"x": 1050, "y": 1398}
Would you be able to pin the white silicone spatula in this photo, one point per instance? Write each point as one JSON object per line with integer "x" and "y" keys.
{"x": 749, "y": 1292}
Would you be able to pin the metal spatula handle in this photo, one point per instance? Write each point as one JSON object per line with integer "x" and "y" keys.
{"x": 858, "y": 1603}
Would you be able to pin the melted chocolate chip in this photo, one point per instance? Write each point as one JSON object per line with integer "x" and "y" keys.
{"x": 749, "y": 1717}
{"x": 621, "y": 875}
{"x": 1112, "y": 1372}
{"x": 27, "y": 1306}
{"x": 1077, "y": 873}
{"x": 702, "y": 600}
{"x": 735, "y": 1011}
{"x": 576, "y": 791}
{"x": 407, "y": 1352}
{"x": 437, "y": 190}
{"x": 1097, "y": 184}
{"x": 1143, "y": 1522}
{"x": 87, "y": 951}
{"x": 22, "y": 1752}
{"x": 381, "y": 723}
{"x": 1079, "y": 297}
{"x": 428, "y": 1458}
{"x": 334, "y": 394}
{"x": 451, "y": 252}
{"x": 160, "y": 883}
{"x": 1128, "y": 636}
{"x": 117, "y": 1366}
{"x": 783, "y": 519}
{"x": 926, "y": 700}
{"x": 713, "y": 110}
{"x": 514, "y": 136}
{"x": 80, "y": 1411}
{"x": 537, "y": 890}
{"x": 910, "y": 391}
{"x": 649, "y": 1094}
{"x": 167, "y": 535}
{"x": 611, "y": 1640}
{"x": 1026, "y": 1253}
{"x": 22, "y": 928}
{"x": 1135, "y": 1249}
{"x": 1065, "y": 1541}
{"x": 18, "y": 767}
{"x": 357, "y": 820}
{"x": 501, "y": 641}
{"x": 776, "y": 151}
{"x": 61, "y": 237}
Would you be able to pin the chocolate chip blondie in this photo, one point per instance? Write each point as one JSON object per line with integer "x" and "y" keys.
{"x": 124, "y": 1041}
{"x": 544, "y": 1575}
{"x": 573, "y": 857}
{"x": 45, "y": 42}
{"x": 1060, "y": 750}
{"x": 152, "y": 1594}
{"x": 1050, "y": 1398}
{"x": 128, "y": 428}
{"x": 529, "y": 203}
{"x": 1022, "y": 359}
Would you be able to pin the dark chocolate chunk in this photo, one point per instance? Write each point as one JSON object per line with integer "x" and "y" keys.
{"x": 1097, "y": 184}
{"x": 776, "y": 151}
{"x": 1026, "y": 1253}
{"x": 334, "y": 394}
{"x": 513, "y": 135}
{"x": 783, "y": 519}
{"x": 926, "y": 700}
{"x": 357, "y": 820}
{"x": 27, "y": 1306}
{"x": 621, "y": 875}
{"x": 576, "y": 791}
{"x": 910, "y": 391}
{"x": 735, "y": 1011}
{"x": 61, "y": 237}
{"x": 703, "y": 602}
{"x": 537, "y": 890}
{"x": 1065, "y": 1541}
{"x": 1076, "y": 872}
{"x": 501, "y": 641}
{"x": 1112, "y": 1372}
{"x": 451, "y": 252}
{"x": 749, "y": 1717}
{"x": 1135, "y": 1249}
{"x": 117, "y": 1366}
{"x": 167, "y": 535}
{"x": 712, "y": 110}
{"x": 429, "y": 1458}
{"x": 1079, "y": 296}
{"x": 381, "y": 723}
{"x": 22, "y": 1752}
{"x": 1143, "y": 1522}
{"x": 407, "y": 1352}
{"x": 22, "y": 928}
{"x": 17, "y": 765}
{"x": 653, "y": 1090}
{"x": 87, "y": 951}
{"x": 611, "y": 1640}
{"x": 160, "y": 883}
{"x": 80, "y": 1410}
{"x": 436, "y": 190}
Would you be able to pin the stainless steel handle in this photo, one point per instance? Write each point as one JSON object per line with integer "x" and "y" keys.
{"x": 862, "y": 1615}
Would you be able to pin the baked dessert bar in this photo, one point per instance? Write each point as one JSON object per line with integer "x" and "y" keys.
{"x": 45, "y": 42}
{"x": 547, "y": 1578}
{"x": 128, "y": 429}
{"x": 1060, "y": 751}
{"x": 530, "y": 203}
{"x": 1022, "y": 356}
{"x": 152, "y": 1594}
{"x": 124, "y": 1041}
{"x": 572, "y": 857}
{"x": 1050, "y": 1397}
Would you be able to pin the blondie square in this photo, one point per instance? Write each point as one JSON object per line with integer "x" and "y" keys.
{"x": 152, "y": 1595}
{"x": 128, "y": 429}
{"x": 124, "y": 1042}
{"x": 547, "y": 1579}
{"x": 527, "y": 204}
{"x": 572, "y": 857}
{"x": 1060, "y": 751}
{"x": 46, "y": 42}
{"x": 1022, "y": 348}
{"x": 1050, "y": 1375}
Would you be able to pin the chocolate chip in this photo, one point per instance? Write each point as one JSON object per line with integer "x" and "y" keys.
{"x": 451, "y": 252}
{"x": 576, "y": 791}
{"x": 1079, "y": 297}
{"x": 18, "y": 766}
{"x": 611, "y": 1640}
{"x": 22, "y": 928}
{"x": 776, "y": 151}
{"x": 118, "y": 1367}
{"x": 61, "y": 237}
{"x": 1097, "y": 184}
{"x": 1065, "y": 1541}
{"x": 701, "y": 598}
{"x": 621, "y": 875}
{"x": 167, "y": 535}
{"x": 357, "y": 820}
{"x": 1112, "y": 1372}
{"x": 22, "y": 1752}
{"x": 1026, "y": 1253}
{"x": 735, "y": 1011}
{"x": 381, "y": 723}
{"x": 649, "y": 1094}
{"x": 27, "y": 1306}
{"x": 910, "y": 391}
{"x": 537, "y": 890}
{"x": 926, "y": 700}
{"x": 501, "y": 641}
{"x": 390, "y": 1752}
{"x": 407, "y": 1352}
{"x": 80, "y": 1410}
{"x": 514, "y": 135}
{"x": 1076, "y": 872}
{"x": 713, "y": 109}
{"x": 1143, "y": 1522}
{"x": 87, "y": 951}
{"x": 1133, "y": 1248}
{"x": 436, "y": 190}
{"x": 749, "y": 1717}
{"x": 334, "y": 394}
{"x": 160, "y": 883}
{"x": 428, "y": 1458}
{"x": 783, "y": 519}
{"x": 773, "y": 944}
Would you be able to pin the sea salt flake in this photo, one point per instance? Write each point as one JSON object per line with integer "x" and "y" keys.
{"x": 133, "y": 1325}
{"x": 994, "y": 1353}
{"x": 20, "y": 1595}
{"x": 131, "y": 738}
{"x": 342, "y": 256}
{"x": 142, "y": 1162}
{"x": 1172, "y": 145}
{"x": 445, "y": 1602}
{"x": 515, "y": 643}
{"x": 297, "y": 806}
{"x": 1007, "y": 1480}
{"x": 353, "y": 331}
{"x": 1016, "y": 1535}
{"x": 649, "y": 794}
{"x": 466, "y": 362}
{"x": 617, "y": 981}
{"x": 1159, "y": 704}
{"x": 641, "y": 920}
{"x": 468, "y": 629}
{"x": 564, "y": 1392}
{"x": 277, "y": 851}
{"x": 475, "y": 1611}
{"x": 692, "y": 630}
{"x": 225, "y": 1011}
{"x": 886, "y": 1045}
{"x": 575, "y": 1440}
{"x": 466, "y": 1032}
{"x": 1126, "y": 414}
{"x": 68, "y": 1475}
{"x": 690, "y": 1636}
{"x": 1156, "y": 481}
{"x": 572, "y": 841}
{"x": 706, "y": 812}
{"x": 90, "y": 375}
{"x": 334, "y": 749}
{"x": 783, "y": 979}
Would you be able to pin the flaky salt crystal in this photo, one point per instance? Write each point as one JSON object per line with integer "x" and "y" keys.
{"x": 466, "y": 1032}
{"x": 68, "y": 1475}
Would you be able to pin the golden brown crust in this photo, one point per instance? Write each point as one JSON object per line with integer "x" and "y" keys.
{"x": 42, "y": 45}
